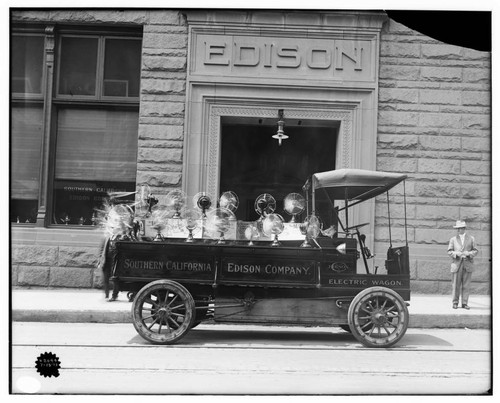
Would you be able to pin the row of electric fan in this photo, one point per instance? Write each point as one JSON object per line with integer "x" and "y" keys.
{"x": 216, "y": 221}
{"x": 176, "y": 202}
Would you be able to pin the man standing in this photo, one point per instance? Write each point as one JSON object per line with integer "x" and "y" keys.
{"x": 462, "y": 249}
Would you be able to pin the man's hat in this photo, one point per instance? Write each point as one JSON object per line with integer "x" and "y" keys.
{"x": 460, "y": 224}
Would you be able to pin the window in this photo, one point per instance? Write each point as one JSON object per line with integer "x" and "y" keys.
{"x": 122, "y": 65}
{"x": 26, "y": 64}
{"x": 253, "y": 163}
{"x": 26, "y": 130}
{"x": 96, "y": 154}
{"x": 91, "y": 129}
{"x": 96, "y": 149}
{"x": 83, "y": 74}
{"x": 78, "y": 68}
{"x": 26, "y": 142}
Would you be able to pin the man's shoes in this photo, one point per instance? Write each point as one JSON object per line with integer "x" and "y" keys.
{"x": 465, "y": 306}
{"x": 455, "y": 306}
{"x": 113, "y": 298}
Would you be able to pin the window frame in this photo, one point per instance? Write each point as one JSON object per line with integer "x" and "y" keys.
{"x": 60, "y": 102}
{"x": 101, "y": 54}
{"x": 51, "y": 102}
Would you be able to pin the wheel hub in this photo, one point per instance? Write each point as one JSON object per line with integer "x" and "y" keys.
{"x": 163, "y": 312}
{"x": 379, "y": 318}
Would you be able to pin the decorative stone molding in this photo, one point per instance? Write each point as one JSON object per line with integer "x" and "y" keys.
{"x": 45, "y": 172}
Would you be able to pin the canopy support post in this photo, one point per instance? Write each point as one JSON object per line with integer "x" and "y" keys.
{"x": 346, "y": 210}
{"x": 404, "y": 201}
{"x": 389, "y": 215}
{"x": 305, "y": 188}
{"x": 313, "y": 192}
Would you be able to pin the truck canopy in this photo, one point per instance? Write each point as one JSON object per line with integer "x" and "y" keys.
{"x": 355, "y": 184}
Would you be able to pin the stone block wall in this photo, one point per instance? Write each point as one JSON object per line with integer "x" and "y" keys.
{"x": 434, "y": 124}
{"x": 55, "y": 266}
{"x": 163, "y": 99}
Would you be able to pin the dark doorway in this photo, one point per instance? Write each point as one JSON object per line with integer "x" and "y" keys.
{"x": 253, "y": 163}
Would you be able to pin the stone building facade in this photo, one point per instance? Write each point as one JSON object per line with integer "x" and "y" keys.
{"x": 431, "y": 113}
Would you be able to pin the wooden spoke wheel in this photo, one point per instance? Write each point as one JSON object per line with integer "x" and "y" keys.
{"x": 378, "y": 317}
{"x": 163, "y": 312}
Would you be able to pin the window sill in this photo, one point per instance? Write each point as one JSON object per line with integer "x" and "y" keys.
{"x": 60, "y": 235}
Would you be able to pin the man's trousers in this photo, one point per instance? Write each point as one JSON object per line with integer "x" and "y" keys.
{"x": 460, "y": 282}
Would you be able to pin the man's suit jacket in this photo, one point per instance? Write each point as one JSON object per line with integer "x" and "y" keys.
{"x": 468, "y": 248}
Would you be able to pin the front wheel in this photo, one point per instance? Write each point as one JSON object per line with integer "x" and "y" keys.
{"x": 378, "y": 317}
{"x": 163, "y": 312}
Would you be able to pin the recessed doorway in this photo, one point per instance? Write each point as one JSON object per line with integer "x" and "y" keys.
{"x": 252, "y": 161}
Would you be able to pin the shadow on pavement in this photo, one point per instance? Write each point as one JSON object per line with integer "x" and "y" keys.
{"x": 264, "y": 338}
{"x": 422, "y": 340}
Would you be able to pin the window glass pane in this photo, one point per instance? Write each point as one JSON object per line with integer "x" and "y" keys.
{"x": 122, "y": 67}
{"x": 77, "y": 73}
{"x": 96, "y": 144}
{"x": 26, "y": 143}
{"x": 77, "y": 202}
{"x": 23, "y": 211}
{"x": 27, "y": 64}
{"x": 96, "y": 153}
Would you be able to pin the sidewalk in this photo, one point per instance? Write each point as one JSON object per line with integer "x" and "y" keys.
{"x": 76, "y": 305}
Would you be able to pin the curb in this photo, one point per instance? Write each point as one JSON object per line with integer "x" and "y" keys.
{"x": 430, "y": 321}
{"x": 418, "y": 321}
{"x": 87, "y": 316}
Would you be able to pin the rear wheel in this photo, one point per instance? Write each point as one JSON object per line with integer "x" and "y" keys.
{"x": 378, "y": 317}
{"x": 163, "y": 312}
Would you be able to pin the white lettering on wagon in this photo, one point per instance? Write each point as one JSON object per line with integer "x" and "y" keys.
{"x": 243, "y": 268}
{"x": 388, "y": 283}
{"x": 287, "y": 270}
{"x": 189, "y": 266}
{"x": 268, "y": 269}
{"x": 348, "y": 281}
{"x": 365, "y": 282}
{"x": 169, "y": 265}
{"x": 143, "y": 264}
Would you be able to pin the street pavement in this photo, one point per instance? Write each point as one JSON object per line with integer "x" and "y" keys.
{"x": 90, "y": 306}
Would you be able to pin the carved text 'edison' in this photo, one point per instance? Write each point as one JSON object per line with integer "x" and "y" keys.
{"x": 274, "y": 55}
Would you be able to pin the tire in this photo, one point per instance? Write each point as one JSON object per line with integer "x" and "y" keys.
{"x": 378, "y": 317}
{"x": 163, "y": 312}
